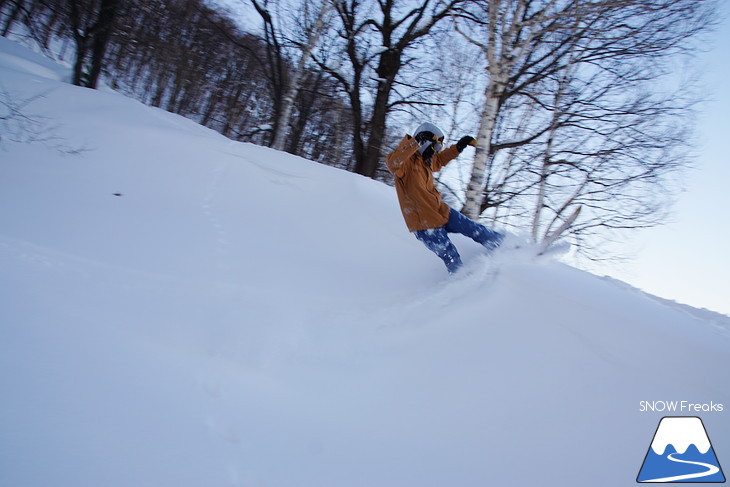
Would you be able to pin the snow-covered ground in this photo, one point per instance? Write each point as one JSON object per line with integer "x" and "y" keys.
{"x": 177, "y": 309}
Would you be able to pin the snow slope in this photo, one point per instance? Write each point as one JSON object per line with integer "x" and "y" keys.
{"x": 177, "y": 309}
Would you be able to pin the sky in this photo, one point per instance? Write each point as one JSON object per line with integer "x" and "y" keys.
{"x": 688, "y": 259}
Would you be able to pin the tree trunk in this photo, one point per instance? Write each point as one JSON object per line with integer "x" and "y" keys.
{"x": 388, "y": 67}
{"x": 104, "y": 26}
{"x": 368, "y": 164}
{"x": 482, "y": 156}
{"x": 82, "y": 47}
{"x": 548, "y": 154}
{"x": 12, "y": 17}
{"x": 283, "y": 122}
{"x": 91, "y": 39}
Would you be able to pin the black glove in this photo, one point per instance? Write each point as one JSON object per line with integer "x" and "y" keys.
{"x": 425, "y": 136}
{"x": 464, "y": 141}
{"x": 426, "y": 141}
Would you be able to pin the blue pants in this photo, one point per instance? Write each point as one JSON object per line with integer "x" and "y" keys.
{"x": 437, "y": 239}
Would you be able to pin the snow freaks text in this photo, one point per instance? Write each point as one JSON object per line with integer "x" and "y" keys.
{"x": 681, "y": 407}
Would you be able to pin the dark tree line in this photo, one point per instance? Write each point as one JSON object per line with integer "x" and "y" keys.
{"x": 187, "y": 57}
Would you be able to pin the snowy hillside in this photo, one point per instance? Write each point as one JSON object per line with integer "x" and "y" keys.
{"x": 177, "y": 309}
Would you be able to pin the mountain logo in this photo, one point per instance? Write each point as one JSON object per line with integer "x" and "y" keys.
{"x": 680, "y": 452}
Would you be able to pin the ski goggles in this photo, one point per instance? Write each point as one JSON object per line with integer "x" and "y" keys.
{"x": 438, "y": 143}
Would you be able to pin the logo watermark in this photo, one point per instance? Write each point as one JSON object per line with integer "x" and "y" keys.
{"x": 680, "y": 450}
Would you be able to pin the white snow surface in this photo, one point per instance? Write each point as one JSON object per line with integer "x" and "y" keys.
{"x": 177, "y": 309}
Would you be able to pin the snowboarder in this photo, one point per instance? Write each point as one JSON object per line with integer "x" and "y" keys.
{"x": 412, "y": 164}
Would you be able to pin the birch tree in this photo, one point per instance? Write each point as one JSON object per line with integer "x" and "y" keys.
{"x": 537, "y": 53}
{"x": 612, "y": 149}
{"x": 297, "y": 76}
{"x": 509, "y": 32}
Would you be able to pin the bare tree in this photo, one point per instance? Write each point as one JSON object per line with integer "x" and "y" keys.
{"x": 377, "y": 38}
{"x": 612, "y": 150}
{"x": 91, "y": 24}
{"x": 510, "y": 32}
{"x": 313, "y": 34}
{"x": 190, "y": 57}
{"x": 538, "y": 54}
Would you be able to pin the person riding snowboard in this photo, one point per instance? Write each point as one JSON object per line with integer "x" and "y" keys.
{"x": 412, "y": 164}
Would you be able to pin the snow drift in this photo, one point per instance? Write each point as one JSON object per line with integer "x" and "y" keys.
{"x": 181, "y": 310}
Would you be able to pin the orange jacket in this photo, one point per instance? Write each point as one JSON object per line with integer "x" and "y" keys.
{"x": 419, "y": 200}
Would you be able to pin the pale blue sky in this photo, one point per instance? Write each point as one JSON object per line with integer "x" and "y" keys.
{"x": 688, "y": 260}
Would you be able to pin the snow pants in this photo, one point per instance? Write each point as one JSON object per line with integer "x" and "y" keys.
{"x": 437, "y": 239}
